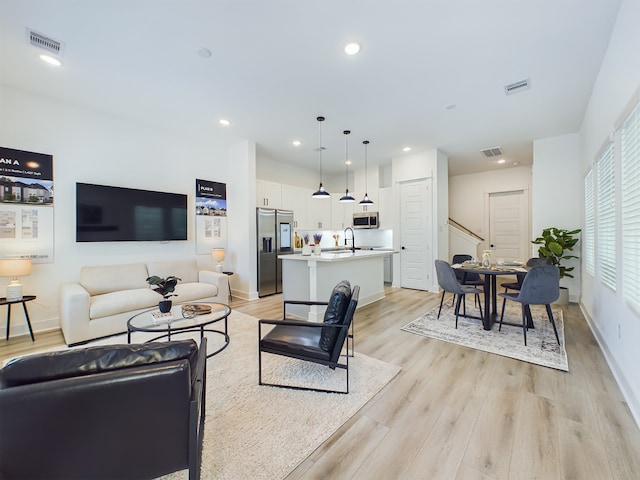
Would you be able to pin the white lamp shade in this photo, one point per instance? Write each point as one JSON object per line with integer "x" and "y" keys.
{"x": 15, "y": 267}
{"x": 217, "y": 254}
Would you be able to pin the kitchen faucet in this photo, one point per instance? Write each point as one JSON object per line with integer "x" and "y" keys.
{"x": 353, "y": 238}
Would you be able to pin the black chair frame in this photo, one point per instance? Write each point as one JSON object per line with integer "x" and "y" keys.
{"x": 332, "y": 362}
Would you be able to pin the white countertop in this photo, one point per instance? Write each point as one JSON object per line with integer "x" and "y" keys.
{"x": 339, "y": 256}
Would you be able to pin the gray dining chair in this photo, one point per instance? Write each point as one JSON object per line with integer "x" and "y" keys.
{"x": 517, "y": 285}
{"x": 532, "y": 262}
{"x": 541, "y": 286}
{"x": 449, "y": 283}
{"x": 464, "y": 277}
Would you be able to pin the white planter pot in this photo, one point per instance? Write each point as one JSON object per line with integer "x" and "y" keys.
{"x": 563, "y": 299}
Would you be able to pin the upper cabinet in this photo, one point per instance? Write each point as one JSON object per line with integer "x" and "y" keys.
{"x": 368, "y": 185}
{"x": 373, "y": 196}
{"x": 341, "y": 213}
{"x": 268, "y": 194}
{"x": 385, "y": 207}
{"x": 318, "y": 213}
{"x": 295, "y": 199}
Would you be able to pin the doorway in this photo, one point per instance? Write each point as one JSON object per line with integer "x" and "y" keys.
{"x": 509, "y": 225}
{"x": 416, "y": 235}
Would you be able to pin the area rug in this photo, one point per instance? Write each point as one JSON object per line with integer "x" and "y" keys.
{"x": 262, "y": 432}
{"x": 542, "y": 347}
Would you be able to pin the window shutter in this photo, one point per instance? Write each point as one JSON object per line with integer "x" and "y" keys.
{"x": 589, "y": 237}
{"x": 630, "y": 162}
{"x": 606, "y": 214}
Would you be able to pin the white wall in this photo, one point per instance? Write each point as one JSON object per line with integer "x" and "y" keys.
{"x": 89, "y": 146}
{"x": 271, "y": 170}
{"x": 468, "y": 196}
{"x": 433, "y": 165}
{"x": 241, "y": 195}
{"x": 615, "y": 325}
{"x": 556, "y": 199}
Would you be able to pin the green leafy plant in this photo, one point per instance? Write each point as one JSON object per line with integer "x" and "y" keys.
{"x": 555, "y": 243}
{"x": 164, "y": 286}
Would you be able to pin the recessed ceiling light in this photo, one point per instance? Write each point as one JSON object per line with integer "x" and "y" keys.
{"x": 204, "y": 52}
{"x": 450, "y": 107}
{"x": 348, "y": 162}
{"x": 501, "y": 161}
{"x": 296, "y": 143}
{"x": 406, "y": 149}
{"x": 352, "y": 49}
{"x": 224, "y": 122}
{"x": 516, "y": 163}
{"x": 50, "y": 60}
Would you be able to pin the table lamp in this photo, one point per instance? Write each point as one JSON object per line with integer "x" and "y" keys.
{"x": 217, "y": 254}
{"x": 14, "y": 267}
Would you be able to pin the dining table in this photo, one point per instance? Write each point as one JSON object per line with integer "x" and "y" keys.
{"x": 490, "y": 285}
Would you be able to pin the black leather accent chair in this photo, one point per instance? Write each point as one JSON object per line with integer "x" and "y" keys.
{"x": 117, "y": 411}
{"x": 317, "y": 342}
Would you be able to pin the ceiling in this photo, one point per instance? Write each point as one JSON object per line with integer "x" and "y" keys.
{"x": 430, "y": 74}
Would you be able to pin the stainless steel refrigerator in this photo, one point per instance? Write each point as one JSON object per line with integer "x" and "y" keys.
{"x": 275, "y": 237}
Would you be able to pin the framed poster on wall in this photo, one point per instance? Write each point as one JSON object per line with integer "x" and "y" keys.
{"x": 26, "y": 205}
{"x": 211, "y": 216}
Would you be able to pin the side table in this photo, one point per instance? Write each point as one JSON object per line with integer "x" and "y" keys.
{"x": 228, "y": 274}
{"x": 23, "y": 301}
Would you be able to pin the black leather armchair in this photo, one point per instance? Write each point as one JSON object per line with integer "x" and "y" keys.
{"x": 317, "y": 342}
{"x": 118, "y": 411}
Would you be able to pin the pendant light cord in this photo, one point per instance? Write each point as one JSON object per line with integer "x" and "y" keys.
{"x": 346, "y": 158}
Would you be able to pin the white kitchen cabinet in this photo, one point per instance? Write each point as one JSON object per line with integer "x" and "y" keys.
{"x": 268, "y": 194}
{"x": 319, "y": 213}
{"x": 385, "y": 208}
{"x": 341, "y": 213}
{"x": 295, "y": 199}
{"x": 373, "y": 196}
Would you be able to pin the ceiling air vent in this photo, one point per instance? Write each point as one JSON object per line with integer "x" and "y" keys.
{"x": 46, "y": 43}
{"x": 520, "y": 86}
{"x": 492, "y": 152}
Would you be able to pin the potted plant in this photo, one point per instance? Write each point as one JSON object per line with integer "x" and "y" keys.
{"x": 165, "y": 287}
{"x": 555, "y": 243}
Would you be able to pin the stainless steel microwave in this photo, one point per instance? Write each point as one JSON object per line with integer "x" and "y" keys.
{"x": 365, "y": 220}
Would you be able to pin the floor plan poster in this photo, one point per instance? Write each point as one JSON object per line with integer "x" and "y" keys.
{"x": 26, "y": 205}
{"x": 211, "y": 216}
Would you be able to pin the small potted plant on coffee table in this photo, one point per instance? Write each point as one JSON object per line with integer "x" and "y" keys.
{"x": 165, "y": 287}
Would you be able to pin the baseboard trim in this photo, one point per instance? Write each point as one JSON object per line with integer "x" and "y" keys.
{"x": 627, "y": 392}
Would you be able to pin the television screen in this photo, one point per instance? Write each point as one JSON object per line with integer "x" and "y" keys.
{"x": 116, "y": 214}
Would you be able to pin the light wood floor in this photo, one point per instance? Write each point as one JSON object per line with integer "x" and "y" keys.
{"x": 457, "y": 413}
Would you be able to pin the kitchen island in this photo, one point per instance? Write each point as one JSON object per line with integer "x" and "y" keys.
{"x": 312, "y": 277}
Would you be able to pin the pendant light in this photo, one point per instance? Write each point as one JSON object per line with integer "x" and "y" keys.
{"x": 346, "y": 198}
{"x": 365, "y": 200}
{"x": 321, "y": 193}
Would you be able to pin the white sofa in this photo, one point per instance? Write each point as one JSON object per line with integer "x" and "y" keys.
{"x": 107, "y": 296}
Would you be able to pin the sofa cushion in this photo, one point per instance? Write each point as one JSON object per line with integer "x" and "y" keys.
{"x": 113, "y": 303}
{"x": 85, "y": 361}
{"x": 112, "y": 278}
{"x": 185, "y": 270}
{"x": 188, "y": 292}
{"x": 334, "y": 314}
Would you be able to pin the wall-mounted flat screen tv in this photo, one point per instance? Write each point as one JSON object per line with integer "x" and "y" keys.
{"x": 116, "y": 214}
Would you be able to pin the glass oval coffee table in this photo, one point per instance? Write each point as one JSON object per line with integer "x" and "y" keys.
{"x": 182, "y": 319}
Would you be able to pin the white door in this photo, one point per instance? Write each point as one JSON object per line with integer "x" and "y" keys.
{"x": 416, "y": 249}
{"x": 509, "y": 225}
